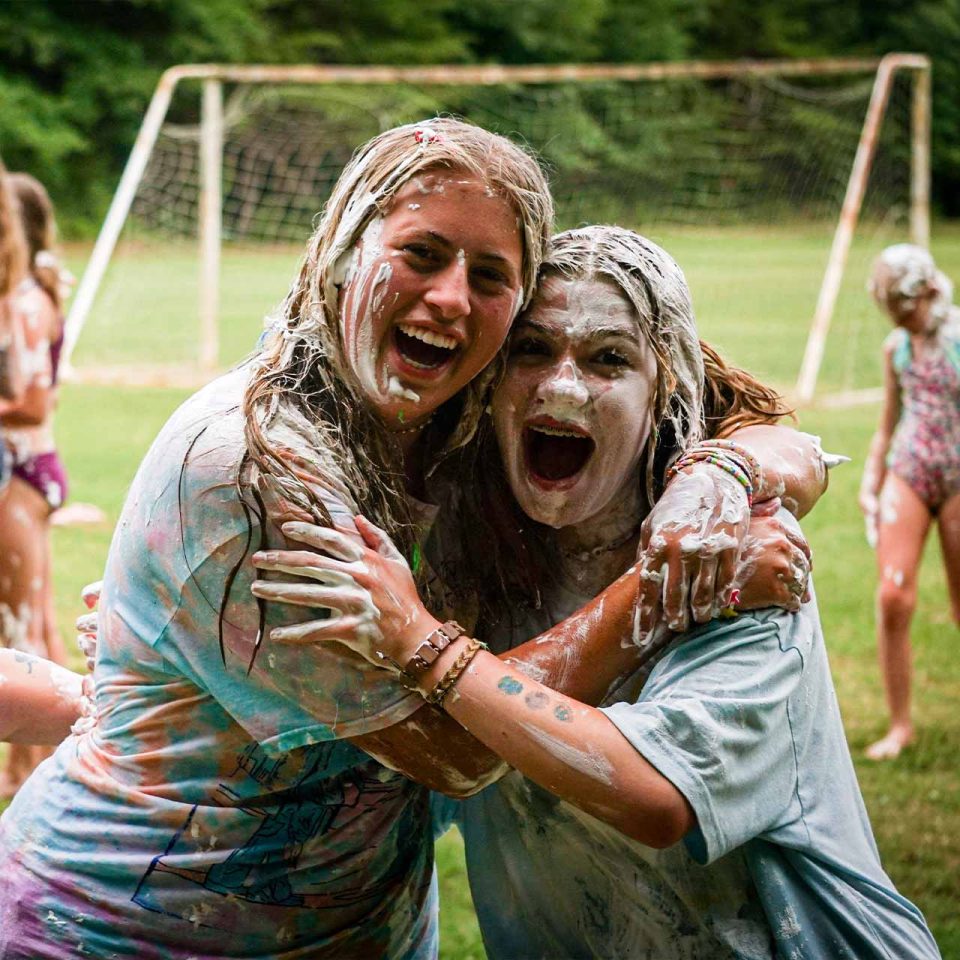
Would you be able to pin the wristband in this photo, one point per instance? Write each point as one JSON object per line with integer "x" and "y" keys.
{"x": 447, "y": 682}
{"x": 426, "y": 653}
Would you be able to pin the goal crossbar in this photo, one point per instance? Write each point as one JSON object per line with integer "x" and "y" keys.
{"x": 213, "y": 76}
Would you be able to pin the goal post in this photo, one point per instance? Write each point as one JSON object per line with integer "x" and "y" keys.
{"x": 685, "y": 144}
{"x": 856, "y": 187}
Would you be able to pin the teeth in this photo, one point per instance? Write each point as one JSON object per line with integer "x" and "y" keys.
{"x": 428, "y": 336}
{"x": 558, "y": 432}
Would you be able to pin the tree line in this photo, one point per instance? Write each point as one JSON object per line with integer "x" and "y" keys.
{"x": 75, "y": 77}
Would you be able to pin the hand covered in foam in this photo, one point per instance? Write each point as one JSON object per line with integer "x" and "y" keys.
{"x": 690, "y": 545}
{"x": 87, "y": 625}
{"x": 368, "y": 589}
{"x": 774, "y": 568}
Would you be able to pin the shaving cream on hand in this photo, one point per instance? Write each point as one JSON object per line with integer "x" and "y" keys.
{"x": 367, "y": 588}
{"x": 689, "y": 549}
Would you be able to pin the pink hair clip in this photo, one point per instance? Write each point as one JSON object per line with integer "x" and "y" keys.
{"x": 423, "y": 136}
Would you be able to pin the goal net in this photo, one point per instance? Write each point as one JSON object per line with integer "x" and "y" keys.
{"x": 739, "y": 170}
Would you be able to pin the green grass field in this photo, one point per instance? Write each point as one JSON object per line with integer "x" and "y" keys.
{"x": 754, "y": 290}
{"x": 759, "y": 321}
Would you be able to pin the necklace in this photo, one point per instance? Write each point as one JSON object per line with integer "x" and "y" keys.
{"x": 614, "y": 544}
{"x": 419, "y": 426}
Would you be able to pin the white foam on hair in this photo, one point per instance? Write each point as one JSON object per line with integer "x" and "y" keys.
{"x": 909, "y": 269}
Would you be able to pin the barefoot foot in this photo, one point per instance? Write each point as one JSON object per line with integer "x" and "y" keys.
{"x": 892, "y": 745}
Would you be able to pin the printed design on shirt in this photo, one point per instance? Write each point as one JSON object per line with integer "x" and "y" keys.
{"x": 291, "y": 831}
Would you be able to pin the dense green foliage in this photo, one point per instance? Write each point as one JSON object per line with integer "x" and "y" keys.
{"x": 75, "y": 77}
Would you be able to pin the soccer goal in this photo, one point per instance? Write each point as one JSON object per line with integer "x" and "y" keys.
{"x": 767, "y": 180}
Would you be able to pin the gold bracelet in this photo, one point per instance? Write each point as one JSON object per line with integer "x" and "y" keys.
{"x": 446, "y": 683}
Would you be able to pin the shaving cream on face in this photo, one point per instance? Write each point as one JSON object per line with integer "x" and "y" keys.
{"x": 578, "y": 363}
{"x": 400, "y": 272}
{"x": 360, "y": 270}
{"x": 909, "y": 271}
{"x": 396, "y": 389}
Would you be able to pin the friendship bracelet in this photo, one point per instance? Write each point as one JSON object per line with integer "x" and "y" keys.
{"x": 741, "y": 458}
{"x": 735, "y": 451}
{"x": 446, "y": 683}
{"x": 743, "y": 466}
{"x": 732, "y": 447}
{"x": 715, "y": 459}
{"x": 713, "y": 456}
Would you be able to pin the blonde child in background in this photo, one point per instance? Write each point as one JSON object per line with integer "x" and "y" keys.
{"x": 912, "y": 474}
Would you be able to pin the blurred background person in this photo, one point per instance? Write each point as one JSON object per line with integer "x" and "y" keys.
{"x": 38, "y": 483}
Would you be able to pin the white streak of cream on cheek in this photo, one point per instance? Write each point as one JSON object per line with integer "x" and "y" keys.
{"x": 384, "y": 273}
{"x": 356, "y": 269}
{"x": 594, "y": 765}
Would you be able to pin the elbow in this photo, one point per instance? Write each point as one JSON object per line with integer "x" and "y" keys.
{"x": 668, "y": 832}
{"x": 662, "y": 826}
{"x": 462, "y": 784}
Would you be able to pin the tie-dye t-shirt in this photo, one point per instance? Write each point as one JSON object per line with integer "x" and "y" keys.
{"x": 216, "y": 809}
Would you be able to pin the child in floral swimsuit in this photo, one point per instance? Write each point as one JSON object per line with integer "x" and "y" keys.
{"x": 912, "y": 476}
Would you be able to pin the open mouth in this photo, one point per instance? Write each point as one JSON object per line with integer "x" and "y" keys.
{"x": 555, "y": 452}
{"x": 424, "y": 349}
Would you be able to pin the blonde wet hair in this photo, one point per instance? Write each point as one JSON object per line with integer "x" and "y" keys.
{"x": 301, "y": 385}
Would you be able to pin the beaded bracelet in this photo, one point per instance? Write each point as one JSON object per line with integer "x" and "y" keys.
{"x": 731, "y": 447}
{"x": 745, "y": 465}
{"x": 716, "y": 459}
{"x": 446, "y": 683}
{"x": 730, "y": 451}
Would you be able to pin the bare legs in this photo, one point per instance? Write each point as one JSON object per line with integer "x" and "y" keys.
{"x": 903, "y": 525}
{"x": 948, "y": 522}
{"x": 24, "y": 569}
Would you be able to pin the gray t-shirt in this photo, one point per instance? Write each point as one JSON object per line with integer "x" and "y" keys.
{"x": 742, "y": 717}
